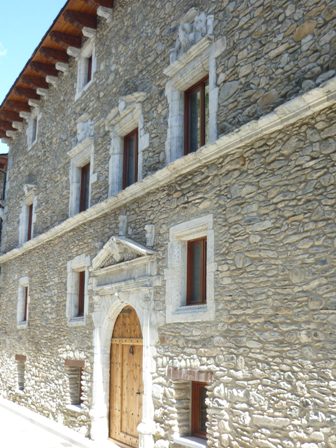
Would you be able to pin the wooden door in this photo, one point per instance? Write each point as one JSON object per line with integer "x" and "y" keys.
{"x": 126, "y": 386}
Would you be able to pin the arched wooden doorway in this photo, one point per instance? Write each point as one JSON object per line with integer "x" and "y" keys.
{"x": 126, "y": 387}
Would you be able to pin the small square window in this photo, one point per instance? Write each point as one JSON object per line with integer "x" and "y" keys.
{"x": 130, "y": 162}
{"x": 84, "y": 193}
{"x": 196, "y": 271}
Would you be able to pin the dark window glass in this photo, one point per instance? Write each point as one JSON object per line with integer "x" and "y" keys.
{"x": 198, "y": 409}
{"x": 196, "y": 271}
{"x": 130, "y": 165}
{"x": 29, "y": 222}
{"x": 84, "y": 187}
{"x": 81, "y": 293}
{"x": 25, "y": 304}
{"x": 196, "y": 116}
{"x": 88, "y": 69}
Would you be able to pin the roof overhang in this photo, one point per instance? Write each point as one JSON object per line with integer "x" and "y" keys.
{"x": 47, "y": 62}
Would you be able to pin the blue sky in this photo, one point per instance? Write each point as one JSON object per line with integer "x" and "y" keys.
{"x": 23, "y": 23}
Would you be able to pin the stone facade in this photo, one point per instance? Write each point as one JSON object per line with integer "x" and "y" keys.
{"x": 268, "y": 351}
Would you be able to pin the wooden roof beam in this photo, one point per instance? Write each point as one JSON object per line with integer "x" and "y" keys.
{"x": 35, "y": 81}
{"x": 6, "y": 125}
{"x": 104, "y": 3}
{"x": 80, "y": 19}
{"x": 26, "y": 92}
{"x": 45, "y": 69}
{"x": 54, "y": 55}
{"x": 66, "y": 39}
{"x": 18, "y": 106}
{"x": 10, "y": 115}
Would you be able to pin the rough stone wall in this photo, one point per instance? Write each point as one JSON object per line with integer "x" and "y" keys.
{"x": 275, "y": 50}
{"x": 271, "y": 347}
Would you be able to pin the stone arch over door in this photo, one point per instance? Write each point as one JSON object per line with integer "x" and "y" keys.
{"x": 126, "y": 384}
{"x": 123, "y": 274}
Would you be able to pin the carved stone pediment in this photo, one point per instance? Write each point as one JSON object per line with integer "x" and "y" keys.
{"x": 193, "y": 27}
{"x": 119, "y": 250}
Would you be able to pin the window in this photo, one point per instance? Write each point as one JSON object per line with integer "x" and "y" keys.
{"x": 196, "y": 271}
{"x": 84, "y": 187}
{"x": 74, "y": 371}
{"x": 196, "y": 116}
{"x": 20, "y": 371}
{"x": 129, "y": 140}
{"x": 191, "y": 90}
{"x": 191, "y": 270}
{"x": 198, "y": 409}
{"x": 32, "y": 129}
{"x": 190, "y": 403}
{"x": 79, "y": 306}
{"x": 29, "y": 213}
{"x": 81, "y": 176}
{"x": 130, "y": 162}
{"x": 77, "y": 290}
{"x": 23, "y": 302}
{"x": 86, "y": 67}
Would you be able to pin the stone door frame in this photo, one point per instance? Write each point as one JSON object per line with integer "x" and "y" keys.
{"x": 107, "y": 307}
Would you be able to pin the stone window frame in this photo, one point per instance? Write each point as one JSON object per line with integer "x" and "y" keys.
{"x": 80, "y": 155}
{"x": 176, "y": 274}
{"x": 74, "y": 371}
{"x": 29, "y": 199}
{"x": 182, "y": 380}
{"x": 88, "y": 50}
{"x": 20, "y": 373}
{"x": 197, "y": 63}
{"x": 33, "y": 118}
{"x": 21, "y": 303}
{"x": 121, "y": 121}
{"x": 74, "y": 266}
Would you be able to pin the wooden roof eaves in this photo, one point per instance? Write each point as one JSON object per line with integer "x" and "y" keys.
{"x": 84, "y": 6}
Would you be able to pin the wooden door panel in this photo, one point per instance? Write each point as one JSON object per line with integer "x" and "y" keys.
{"x": 126, "y": 386}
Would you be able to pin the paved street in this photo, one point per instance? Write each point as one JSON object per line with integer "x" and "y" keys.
{"x": 20, "y": 427}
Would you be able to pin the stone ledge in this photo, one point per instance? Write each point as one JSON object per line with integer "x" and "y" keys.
{"x": 284, "y": 115}
{"x": 191, "y": 442}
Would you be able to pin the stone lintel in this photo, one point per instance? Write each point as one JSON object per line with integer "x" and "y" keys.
{"x": 176, "y": 374}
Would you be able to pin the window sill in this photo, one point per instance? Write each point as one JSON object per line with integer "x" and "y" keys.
{"x": 77, "y": 322}
{"x": 75, "y": 408}
{"x": 31, "y": 146}
{"x": 19, "y": 392}
{"x": 190, "y": 441}
{"x": 84, "y": 89}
